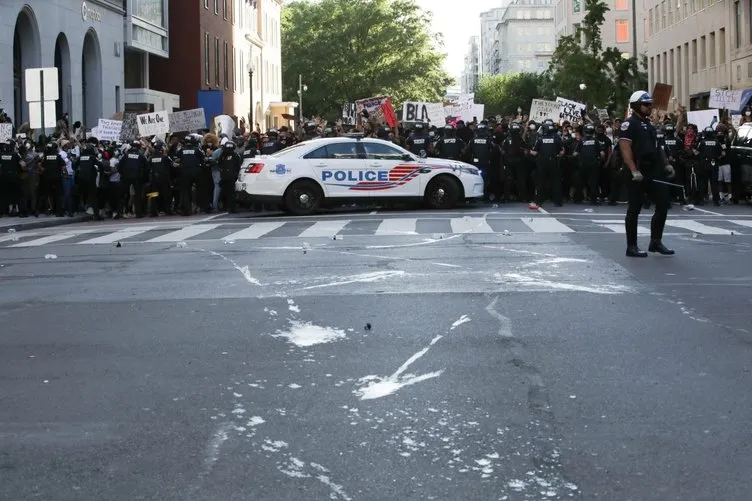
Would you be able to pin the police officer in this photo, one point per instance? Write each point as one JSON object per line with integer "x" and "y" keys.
{"x": 449, "y": 146}
{"x": 588, "y": 153}
{"x": 229, "y": 169}
{"x": 132, "y": 171}
{"x": 89, "y": 167}
{"x": 191, "y": 160}
{"x": 10, "y": 179}
{"x": 645, "y": 164}
{"x": 51, "y": 181}
{"x": 311, "y": 131}
{"x": 671, "y": 148}
{"x": 710, "y": 155}
{"x": 513, "y": 152}
{"x": 417, "y": 141}
{"x": 548, "y": 151}
{"x": 159, "y": 180}
{"x": 479, "y": 151}
{"x": 272, "y": 144}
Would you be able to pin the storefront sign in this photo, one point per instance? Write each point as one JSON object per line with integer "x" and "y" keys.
{"x": 89, "y": 14}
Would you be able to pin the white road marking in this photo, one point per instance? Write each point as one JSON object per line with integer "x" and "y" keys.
{"x": 324, "y": 229}
{"x": 52, "y": 238}
{"x": 708, "y": 211}
{"x": 184, "y": 233}
{"x": 617, "y": 226}
{"x": 16, "y": 236}
{"x": 470, "y": 225}
{"x": 256, "y": 230}
{"x": 546, "y": 225}
{"x": 400, "y": 226}
{"x": 742, "y": 222}
{"x": 116, "y": 236}
{"x": 700, "y": 228}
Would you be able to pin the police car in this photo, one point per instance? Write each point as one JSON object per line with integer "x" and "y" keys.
{"x": 318, "y": 172}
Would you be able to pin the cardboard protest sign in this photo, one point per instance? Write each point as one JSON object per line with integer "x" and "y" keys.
{"x": 570, "y": 110}
{"x": 188, "y": 120}
{"x": 108, "y": 130}
{"x": 541, "y": 109}
{"x": 725, "y": 99}
{"x": 153, "y": 124}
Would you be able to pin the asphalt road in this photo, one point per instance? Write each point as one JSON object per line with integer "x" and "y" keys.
{"x": 473, "y": 366}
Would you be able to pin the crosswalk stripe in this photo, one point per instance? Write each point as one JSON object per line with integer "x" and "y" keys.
{"x": 256, "y": 230}
{"x": 52, "y": 238}
{"x": 184, "y": 233}
{"x": 743, "y": 222}
{"x": 116, "y": 236}
{"x": 697, "y": 227}
{"x": 546, "y": 225}
{"x": 17, "y": 236}
{"x": 324, "y": 229}
{"x": 470, "y": 225}
{"x": 401, "y": 226}
{"x": 617, "y": 226}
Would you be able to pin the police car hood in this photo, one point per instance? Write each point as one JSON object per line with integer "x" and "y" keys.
{"x": 446, "y": 163}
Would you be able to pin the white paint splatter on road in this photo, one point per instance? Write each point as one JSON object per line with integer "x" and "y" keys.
{"x": 304, "y": 334}
{"x": 361, "y": 278}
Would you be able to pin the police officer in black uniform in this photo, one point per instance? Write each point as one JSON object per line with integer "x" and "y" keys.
{"x": 229, "y": 169}
{"x": 51, "y": 180}
{"x": 449, "y": 146}
{"x": 644, "y": 164}
{"x": 132, "y": 170}
{"x": 89, "y": 166}
{"x": 272, "y": 144}
{"x": 192, "y": 163}
{"x": 588, "y": 154}
{"x": 10, "y": 180}
{"x": 548, "y": 150}
{"x": 671, "y": 147}
{"x": 417, "y": 141}
{"x": 711, "y": 151}
{"x": 513, "y": 152}
{"x": 479, "y": 151}
{"x": 159, "y": 179}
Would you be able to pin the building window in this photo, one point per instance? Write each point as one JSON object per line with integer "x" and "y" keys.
{"x": 216, "y": 7}
{"x": 227, "y": 66}
{"x": 224, "y": 9}
{"x": 622, "y": 31}
{"x": 234, "y": 12}
{"x": 694, "y": 56}
{"x": 235, "y": 72}
{"x": 207, "y": 71}
{"x": 241, "y": 69}
{"x": 621, "y": 5}
{"x": 703, "y": 52}
{"x": 712, "y": 49}
{"x": 738, "y": 23}
{"x": 216, "y": 62}
{"x": 206, "y": 4}
{"x": 576, "y": 6}
{"x": 722, "y": 45}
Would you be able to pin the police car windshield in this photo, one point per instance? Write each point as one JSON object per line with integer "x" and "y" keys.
{"x": 292, "y": 151}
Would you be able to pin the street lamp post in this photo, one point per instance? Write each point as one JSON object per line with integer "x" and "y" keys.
{"x": 583, "y": 87}
{"x": 301, "y": 89}
{"x": 251, "y": 68}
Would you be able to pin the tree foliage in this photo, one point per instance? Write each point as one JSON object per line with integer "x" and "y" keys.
{"x": 580, "y": 58}
{"x": 351, "y": 49}
{"x": 503, "y": 94}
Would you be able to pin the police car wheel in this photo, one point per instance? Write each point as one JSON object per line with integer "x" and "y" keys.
{"x": 303, "y": 198}
{"x": 442, "y": 193}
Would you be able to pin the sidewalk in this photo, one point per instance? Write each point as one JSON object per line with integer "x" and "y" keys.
{"x": 43, "y": 221}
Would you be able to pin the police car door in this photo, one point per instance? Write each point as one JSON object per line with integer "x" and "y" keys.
{"x": 388, "y": 171}
{"x": 340, "y": 168}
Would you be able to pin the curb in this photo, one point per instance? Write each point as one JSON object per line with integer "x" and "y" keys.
{"x": 44, "y": 223}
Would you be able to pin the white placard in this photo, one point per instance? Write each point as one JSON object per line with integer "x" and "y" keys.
{"x": 736, "y": 120}
{"x": 224, "y": 124}
{"x": 725, "y": 99}
{"x": 703, "y": 118}
{"x": 108, "y": 130}
{"x": 35, "y": 88}
{"x": 423, "y": 112}
{"x": 541, "y": 109}
{"x": 188, "y": 120}
{"x": 570, "y": 110}
{"x": 35, "y": 115}
{"x": 153, "y": 124}
{"x": 94, "y": 132}
{"x": 6, "y": 132}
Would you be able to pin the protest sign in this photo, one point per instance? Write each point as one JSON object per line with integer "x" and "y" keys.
{"x": 153, "y": 124}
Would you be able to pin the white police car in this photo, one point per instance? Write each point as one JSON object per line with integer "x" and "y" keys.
{"x": 311, "y": 174}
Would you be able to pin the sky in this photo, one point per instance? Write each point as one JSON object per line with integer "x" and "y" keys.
{"x": 458, "y": 21}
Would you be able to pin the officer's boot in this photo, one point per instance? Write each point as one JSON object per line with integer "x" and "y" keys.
{"x": 657, "y": 224}
{"x": 630, "y": 227}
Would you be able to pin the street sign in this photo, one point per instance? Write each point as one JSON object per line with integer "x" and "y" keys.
{"x": 36, "y": 116}
{"x": 41, "y": 84}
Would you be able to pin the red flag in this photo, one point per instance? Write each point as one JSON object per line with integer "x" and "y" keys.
{"x": 389, "y": 115}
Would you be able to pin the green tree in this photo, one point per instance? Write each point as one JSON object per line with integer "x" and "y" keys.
{"x": 352, "y": 49}
{"x": 580, "y": 58}
{"x": 503, "y": 94}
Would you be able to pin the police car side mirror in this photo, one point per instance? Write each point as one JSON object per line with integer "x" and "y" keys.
{"x": 407, "y": 158}
{"x": 423, "y": 154}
